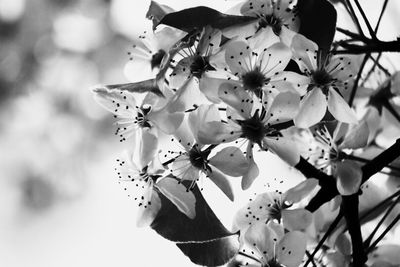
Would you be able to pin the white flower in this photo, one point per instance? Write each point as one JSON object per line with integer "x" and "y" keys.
{"x": 326, "y": 78}
{"x": 144, "y": 184}
{"x": 331, "y": 154}
{"x": 150, "y": 52}
{"x": 256, "y": 124}
{"x": 277, "y": 16}
{"x": 268, "y": 245}
{"x": 275, "y": 206}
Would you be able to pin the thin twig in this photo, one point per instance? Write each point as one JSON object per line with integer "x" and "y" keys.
{"x": 381, "y": 15}
{"x": 393, "y": 223}
{"x": 357, "y": 80}
{"x": 371, "y": 31}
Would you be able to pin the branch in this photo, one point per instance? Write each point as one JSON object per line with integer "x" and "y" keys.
{"x": 373, "y": 46}
{"x": 350, "y": 209}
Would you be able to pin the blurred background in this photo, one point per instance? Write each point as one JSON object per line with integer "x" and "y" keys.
{"x": 60, "y": 204}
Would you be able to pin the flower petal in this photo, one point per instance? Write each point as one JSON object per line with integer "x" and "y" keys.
{"x": 147, "y": 213}
{"x": 296, "y": 219}
{"x": 291, "y": 249}
{"x": 356, "y": 137}
{"x": 260, "y": 237}
{"x": 238, "y": 57}
{"x": 199, "y": 118}
{"x": 148, "y": 144}
{"x": 274, "y": 59}
{"x": 220, "y": 180}
{"x": 349, "y": 177}
{"x": 116, "y": 101}
{"x": 304, "y": 53}
{"x": 339, "y": 108}
{"x": 230, "y": 161}
{"x": 283, "y": 147}
{"x": 312, "y": 109}
{"x": 166, "y": 121}
{"x": 181, "y": 73}
{"x": 300, "y": 191}
{"x": 252, "y": 171}
{"x": 284, "y": 108}
{"x": 209, "y": 87}
{"x": 187, "y": 96}
{"x": 217, "y": 132}
{"x": 178, "y": 194}
{"x": 236, "y": 97}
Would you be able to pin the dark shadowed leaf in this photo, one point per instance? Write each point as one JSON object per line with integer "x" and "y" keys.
{"x": 176, "y": 226}
{"x": 212, "y": 253}
{"x": 317, "y": 22}
{"x": 156, "y": 12}
{"x": 199, "y": 17}
{"x": 139, "y": 87}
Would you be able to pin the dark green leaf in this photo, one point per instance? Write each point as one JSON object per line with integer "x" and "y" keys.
{"x": 199, "y": 17}
{"x": 176, "y": 226}
{"x": 318, "y": 22}
{"x": 212, "y": 253}
{"x": 156, "y": 12}
{"x": 139, "y": 87}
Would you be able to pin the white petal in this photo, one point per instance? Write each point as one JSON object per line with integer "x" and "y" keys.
{"x": 260, "y": 238}
{"x": 287, "y": 36}
{"x": 304, "y": 53}
{"x": 209, "y": 87}
{"x": 187, "y": 96}
{"x": 289, "y": 81}
{"x": 349, "y": 177}
{"x": 296, "y": 219}
{"x": 183, "y": 169}
{"x": 147, "y": 213}
{"x": 216, "y": 132}
{"x": 300, "y": 191}
{"x": 339, "y": 108}
{"x": 148, "y": 144}
{"x": 199, "y": 118}
{"x": 284, "y": 148}
{"x": 356, "y": 137}
{"x": 230, "y": 161}
{"x": 220, "y": 180}
{"x": 252, "y": 171}
{"x": 284, "y": 108}
{"x": 238, "y": 57}
{"x": 181, "y": 73}
{"x": 340, "y": 68}
{"x": 274, "y": 59}
{"x": 312, "y": 109}
{"x": 209, "y": 41}
{"x": 116, "y": 101}
{"x": 236, "y": 97}
{"x": 178, "y": 194}
{"x": 291, "y": 249}
{"x": 166, "y": 121}
{"x": 263, "y": 39}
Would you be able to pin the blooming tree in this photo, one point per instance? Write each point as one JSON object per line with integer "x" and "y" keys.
{"x": 267, "y": 79}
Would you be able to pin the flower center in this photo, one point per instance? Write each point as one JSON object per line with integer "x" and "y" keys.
{"x": 272, "y": 21}
{"x": 273, "y": 263}
{"x": 157, "y": 58}
{"x": 254, "y": 81}
{"x": 198, "y": 158}
{"x": 322, "y": 79}
{"x": 253, "y": 129}
{"x": 141, "y": 119}
{"x": 199, "y": 66}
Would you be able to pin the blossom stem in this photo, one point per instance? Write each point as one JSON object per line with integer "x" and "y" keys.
{"x": 350, "y": 209}
{"x": 367, "y": 241}
{"x": 353, "y": 15}
{"x": 391, "y": 109}
{"x": 381, "y": 15}
{"x": 352, "y": 157}
{"x": 310, "y": 257}
{"x": 372, "y": 47}
{"x": 371, "y": 31}
{"x": 323, "y": 239}
{"x": 355, "y": 85}
{"x": 393, "y": 223}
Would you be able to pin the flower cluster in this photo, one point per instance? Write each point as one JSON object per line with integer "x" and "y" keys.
{"x": 224, "y": 93}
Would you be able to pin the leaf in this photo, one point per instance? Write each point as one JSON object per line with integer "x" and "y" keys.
{"x": 139, "y": 87}
{"x": 156, "y": 12}
{"x": 177, "y": 193}
{"x": 211, "y": 253}
{"x": 318, "y": 22}
{"x": 201, "y": 16}
{"x": 176, "y": 226}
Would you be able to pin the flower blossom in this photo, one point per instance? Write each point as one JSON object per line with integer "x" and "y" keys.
{"x": 150, "y": 52}
{"x": 256, "y": 124}
{"x": 331, "y": 154}
{"x": 275, "y": 16}
{"x": 133, "y": 120}
{"x": 268, "y": 245}
{"x": 275, "y": 206}
{"x": 326, "y": 78}
{"x": 146, "y": 181}
{"x": 194, "y": 160}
